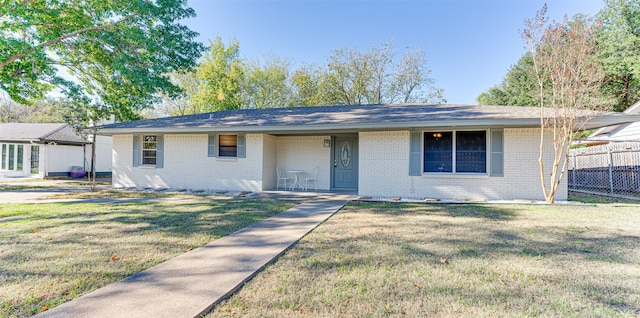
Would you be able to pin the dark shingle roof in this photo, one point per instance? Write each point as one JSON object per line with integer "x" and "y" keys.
{"x": 49, "y": 132}
{"x": 358, "y": 116}
{"x": 334, "y": 115}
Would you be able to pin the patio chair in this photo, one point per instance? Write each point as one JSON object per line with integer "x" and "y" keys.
{"x": 282, "y": 178}
{"x": 313, "y": 179}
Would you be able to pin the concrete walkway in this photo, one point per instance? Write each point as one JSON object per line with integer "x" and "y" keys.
{"x": 192, "y": 283}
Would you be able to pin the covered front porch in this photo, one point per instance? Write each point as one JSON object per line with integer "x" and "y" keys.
{"x": 310, "y": 162}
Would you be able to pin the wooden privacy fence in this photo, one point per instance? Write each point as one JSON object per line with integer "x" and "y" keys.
{"x": 612, "y": 170}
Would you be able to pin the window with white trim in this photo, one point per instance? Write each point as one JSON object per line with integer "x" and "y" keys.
{"x": 20, "y": 157}
{"x": 35, "y": 159}
{"x": 12, "y": 157}
{"x": 149, "y": 149}
{"x": 455, "y": 152}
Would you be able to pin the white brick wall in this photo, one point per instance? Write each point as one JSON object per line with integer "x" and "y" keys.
{"x": 270, "y": 162}
{"x": 384, "y": 165}
{"x": 186, "y": 165}
{"x": 304, "y": 153}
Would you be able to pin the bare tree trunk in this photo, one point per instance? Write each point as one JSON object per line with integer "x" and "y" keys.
{"x": 92, "y": 180}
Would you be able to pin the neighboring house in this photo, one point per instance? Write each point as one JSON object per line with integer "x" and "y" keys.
{"x": 610, "y": 164}
{"x": 48, "y": 150}
{"x": 628, "y": 132}
{"x": 410, "y": 150}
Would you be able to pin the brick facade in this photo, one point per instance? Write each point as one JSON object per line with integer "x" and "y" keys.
{"x": 187, "y": 166}
{"x": 383, "y": 166}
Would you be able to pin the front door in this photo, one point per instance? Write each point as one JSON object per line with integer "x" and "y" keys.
{"x": 345, "y": 162}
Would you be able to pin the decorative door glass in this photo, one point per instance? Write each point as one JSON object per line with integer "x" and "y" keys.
{"x": 345, "y": 154}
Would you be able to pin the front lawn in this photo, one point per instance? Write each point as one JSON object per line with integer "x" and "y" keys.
{"x": 52, "y": 253}
{"x": 448, "y": 260}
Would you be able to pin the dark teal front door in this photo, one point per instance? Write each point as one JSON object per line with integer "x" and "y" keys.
{"x": 345, "y": 162}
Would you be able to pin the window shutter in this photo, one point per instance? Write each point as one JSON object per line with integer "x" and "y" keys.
{"x": 497, "y": 153}
{"x": 242, "y": 148}
{"x": 160, "y": 151}
{"x": 211, "y": 146}
{"x": 136, "y": 150}
{"x": 414, "y": 154}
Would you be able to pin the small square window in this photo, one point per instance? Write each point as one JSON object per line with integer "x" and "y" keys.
{"x": 228, "y": 146}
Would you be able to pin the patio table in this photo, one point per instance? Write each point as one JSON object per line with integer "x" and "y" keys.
{"x": 296, "y": 179}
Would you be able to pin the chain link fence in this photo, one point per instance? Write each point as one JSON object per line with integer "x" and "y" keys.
{"x": 612, "y": 169}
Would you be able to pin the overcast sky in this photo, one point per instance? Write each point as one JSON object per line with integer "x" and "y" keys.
{"x": 469, "y": 44}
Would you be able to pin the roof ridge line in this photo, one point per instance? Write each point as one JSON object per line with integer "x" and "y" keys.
{"x": 54, "y": 131}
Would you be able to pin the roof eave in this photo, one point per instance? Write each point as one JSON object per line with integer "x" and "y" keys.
{"x": 328, "y": 127}
{"x": 592, "y": 123}
{"x": 19, "y": 140}
{"x": 65, "y": 142}
{"x": 610, "y": 120}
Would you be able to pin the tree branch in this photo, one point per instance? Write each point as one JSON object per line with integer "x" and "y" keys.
{"x": 62, "y": 38}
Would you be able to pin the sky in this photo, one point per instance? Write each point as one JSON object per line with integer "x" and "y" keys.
{"x": 469, "y": 44}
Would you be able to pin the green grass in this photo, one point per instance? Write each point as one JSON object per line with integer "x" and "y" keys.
{"x": 379, "y": 260}
{"x": 594, "y": 198}
{"x": 52, "y": 253}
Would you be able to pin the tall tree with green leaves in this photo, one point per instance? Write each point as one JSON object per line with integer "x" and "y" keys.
{"x": 517, "y": 87}
{"x": 116, "y": 53}
{"x": 47, "y": 110}
{"x": 266, "y": 85}
{"x": 224, "y": 80}
{"x": 220, "y": 75}
{"x": 182, "y": 104}
{"x": 619, "y": 40}
{"x": 311, "y": 86}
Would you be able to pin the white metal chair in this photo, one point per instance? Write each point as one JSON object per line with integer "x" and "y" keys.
{"x": 282, "y": 178}
{"x": 313, "y": 179}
